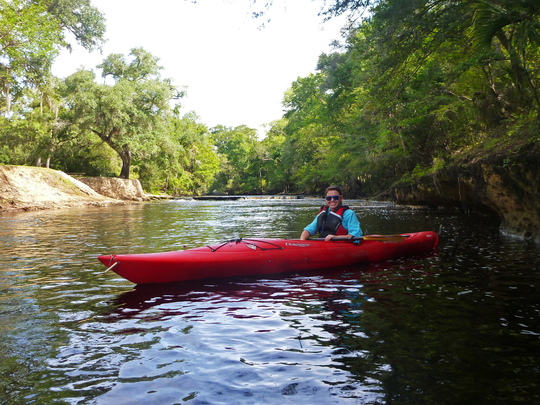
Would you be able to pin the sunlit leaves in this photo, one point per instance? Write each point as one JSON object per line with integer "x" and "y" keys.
{"x": 31, "y": 35}
{"x": 29, "y": 41}
{"x": 85, "y": 22}
{"x": 418, "y": 81}
{"x": 128, "y": 115}
{"x": 184, "y": 161}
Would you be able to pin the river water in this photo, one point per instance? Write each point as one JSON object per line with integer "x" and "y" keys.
{"x": 457, "y": 326}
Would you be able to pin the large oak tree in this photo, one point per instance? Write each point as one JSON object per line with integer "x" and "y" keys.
{"x": 128, "y": 114}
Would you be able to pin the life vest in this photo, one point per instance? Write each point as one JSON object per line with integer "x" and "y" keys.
{"x": 329, "y": 222}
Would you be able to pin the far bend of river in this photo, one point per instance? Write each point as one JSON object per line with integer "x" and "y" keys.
{"x": 459, "y": 326}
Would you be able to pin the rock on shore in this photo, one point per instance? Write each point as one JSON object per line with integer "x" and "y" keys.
{"x": 505, "y": 184}
{"x": 114, "y": 187}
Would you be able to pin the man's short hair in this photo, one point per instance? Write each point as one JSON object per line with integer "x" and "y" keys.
{"x": 333, "y": 188}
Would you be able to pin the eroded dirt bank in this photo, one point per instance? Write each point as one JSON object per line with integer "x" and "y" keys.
{"x": 505, "y": 184}
{"x": 24, "y": 188}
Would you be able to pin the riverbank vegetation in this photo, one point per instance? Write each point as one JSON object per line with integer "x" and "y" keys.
{"x": 416, "y": 86}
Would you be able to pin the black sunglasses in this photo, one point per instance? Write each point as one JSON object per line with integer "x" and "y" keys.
{"x": 332, "y": 197}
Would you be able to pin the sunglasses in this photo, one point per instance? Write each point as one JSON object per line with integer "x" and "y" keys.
{"x": 332, "y": 197}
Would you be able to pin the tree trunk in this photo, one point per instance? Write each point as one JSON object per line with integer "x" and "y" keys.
{"x": 123, "y": 151}
{"x": 51, "y": 151}
{"x": 7, "y": 96}
{"x": 125, "y": 155}
{"x": 515, "y": 64}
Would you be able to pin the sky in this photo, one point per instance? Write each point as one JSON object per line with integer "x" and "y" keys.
{"x": 235, "y": 71}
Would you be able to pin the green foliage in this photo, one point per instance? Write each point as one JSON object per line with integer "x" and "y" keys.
{"x": 277, "y": 177}
{"x": 31, "y": 35}
{"x": 241, "y": 168}
{"x": 413, "y": 89}
{"x": 29, "y": 41}
{"x": 184, "y": 163}
{"x": 92, "y": 158}
{"x": 129, "y": 115}
{"x": 85, "y": 22}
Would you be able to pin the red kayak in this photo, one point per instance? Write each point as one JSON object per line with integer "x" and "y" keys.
{"x": 242, "y": 257}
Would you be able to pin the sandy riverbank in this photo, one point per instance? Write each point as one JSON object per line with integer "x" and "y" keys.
{"x": 24, "y": 188}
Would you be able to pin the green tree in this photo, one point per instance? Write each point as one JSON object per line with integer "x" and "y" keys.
{"x": 241, "y": 154}
{"x": 508, "y": 32}
{"x": 310, "y": 133}
{"x": 31, "y": 35}
{"x": 184, "y": 162}
{"x": 385, "y": 104}
{"x": 29, "y": 41}
{"x": 78, "y": 17}
{"x": 130, "y": 115}
{"x": 277, "y": 174}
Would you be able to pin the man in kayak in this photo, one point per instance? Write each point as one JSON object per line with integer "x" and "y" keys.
{"x": 334, "y": 219}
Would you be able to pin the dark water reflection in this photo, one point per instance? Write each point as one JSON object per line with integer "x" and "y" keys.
{"x": 461, "y": 326}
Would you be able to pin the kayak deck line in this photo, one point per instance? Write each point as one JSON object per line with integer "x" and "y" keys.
{"x": 254, "y": 257}
{"x": 250, "y": 245}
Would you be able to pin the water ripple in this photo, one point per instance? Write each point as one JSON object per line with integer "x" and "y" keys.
{"x": 414, "y": 330}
